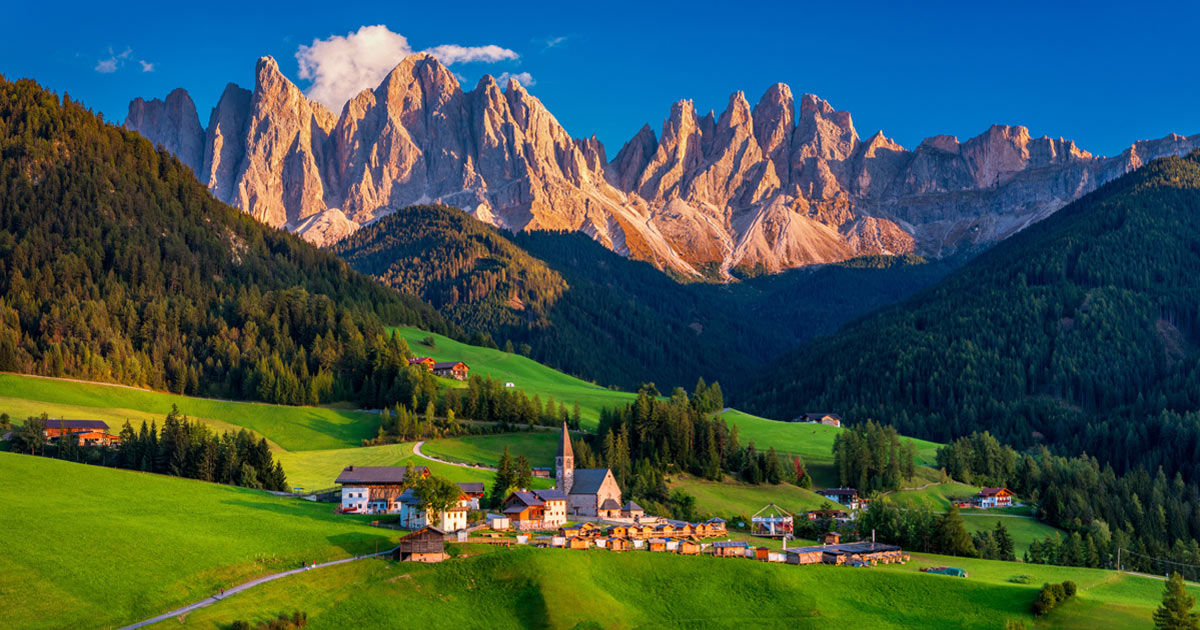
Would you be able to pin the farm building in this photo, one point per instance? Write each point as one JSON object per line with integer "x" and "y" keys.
{"x": 619, "y": 531}
{"x": 579, "y": 542}
{"x": 618, "y": 544}
{"x": 831, "y": 538}
{"x": 538, "y": 509}
{"x": 425, "y": 362}
{"x": 715, "y": 525}
{"x": 456, "y": 370}
{"x": 762, "y": 554}
{"x": 414, "y": 515}
{"x": 689, "y": 547}
{"x": 805, "y": 555}
{"x": 589, "y": 491}
{"x": 497, "y": 522}
{"x": 374, "y": 489}
{"x": 543, "y": 472}
{"x": 730, "y": 548}
{"x": 994, "y": 497}
{"x": 843, "y": 496}
{"x": 657, "y": 544}
{"x": 840, "y": 516}
{"x": 772, "y": 522}
{"x": 827, "y": 419}
{"x": 88, "y": 432}
{"x": 473, "y": 491}
{"x": 427, "y": 544}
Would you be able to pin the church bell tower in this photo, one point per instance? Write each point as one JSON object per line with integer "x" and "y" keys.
{"x": 564, "y": 463}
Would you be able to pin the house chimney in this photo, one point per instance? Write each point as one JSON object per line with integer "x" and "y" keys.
{"x": 350, "y": 467}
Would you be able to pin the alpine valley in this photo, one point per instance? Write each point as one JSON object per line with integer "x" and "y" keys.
{"x": 753, "y": 189}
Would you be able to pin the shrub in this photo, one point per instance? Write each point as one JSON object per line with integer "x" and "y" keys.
{"x": 1024, "y": 578}
{"x": 1051, "y": 596}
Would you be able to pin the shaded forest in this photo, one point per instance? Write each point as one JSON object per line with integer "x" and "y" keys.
{"x": 117, "y": 265}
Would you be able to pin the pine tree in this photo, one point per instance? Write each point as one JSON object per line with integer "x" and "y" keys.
{"x": 504, "y": 479}
{"x": 1004, "y": 543}
{"x": 950, "y": 535}
{"x": 1176, "y": 610}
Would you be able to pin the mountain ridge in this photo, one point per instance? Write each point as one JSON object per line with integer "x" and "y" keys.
{"x": 783, "y": 183}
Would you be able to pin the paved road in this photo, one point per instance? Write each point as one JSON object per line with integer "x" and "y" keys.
{"x": 241, "y": 587}
{"x": 418, "y": 453}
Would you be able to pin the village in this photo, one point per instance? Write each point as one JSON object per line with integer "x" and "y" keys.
{"x": 585, "y": 511}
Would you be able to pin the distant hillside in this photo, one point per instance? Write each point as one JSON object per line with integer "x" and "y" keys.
{"x": 1080, "y": 332}
{"x": 590, "y": 312}
{"x": 117, "y": 265}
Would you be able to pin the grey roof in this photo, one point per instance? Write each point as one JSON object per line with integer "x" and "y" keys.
{"x": 446, "y": 365}
{"x": 818, "y": 416}
{"x": 731, "y": 543}
{"x": 528, "y": 498}
{"x": 374, "y": 474}
{"x": 471, "y": 487}
{"x": 408, "y": 496}
{"x": 838, "y": 492}
{"x": 715, "y": 520}
{"x": 550, "y": 495}
{"x": 60, "y": 423}
{"x": 588, "y": 480}
{"x": 632, "y": 507}
{"x": 609, "y": 504}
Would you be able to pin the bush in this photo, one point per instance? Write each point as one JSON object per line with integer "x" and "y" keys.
{"x": 1024, "y": 578}
{"x": 1051, "y": 596}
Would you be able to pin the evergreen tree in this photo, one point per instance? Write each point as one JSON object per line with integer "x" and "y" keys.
{"x": 951, "y": 537}
{"x": 1176, "y": 613}
{"x": 1004, "y": 543}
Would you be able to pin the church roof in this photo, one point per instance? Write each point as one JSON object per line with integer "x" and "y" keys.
{"x": 588, "y": 480}
{"x": 564, "y": 444}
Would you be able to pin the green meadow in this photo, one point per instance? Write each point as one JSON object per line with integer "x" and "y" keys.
{"x": 811, "y": 441}
{"x": 733, "y": 497}
{"x": 289, "y": 428}
{"x": 87, "y": 546}
{"x": 1023, "y": 529}
{"x": 539, "y": 448}
{"x": 524, "y": 373}
{"x": 550, "y": 588}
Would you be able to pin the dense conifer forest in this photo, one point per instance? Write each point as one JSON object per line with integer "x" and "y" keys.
{"x": 1079, "y": 333}
{"x": 117, "y": 265}
{"x": 559, "y": 296}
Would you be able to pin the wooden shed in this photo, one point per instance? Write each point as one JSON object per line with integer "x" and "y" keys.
{"x": 689, "y": 547}
{"x": 618, "y": 531}
{"x": 762, "y": 553}
{"x": 618, "y": 544}
{"x": 657, "y": 544}
{"x": 730, "y": 549}
{"x": 427, "y": 544}
{"x": 579, "y": 542}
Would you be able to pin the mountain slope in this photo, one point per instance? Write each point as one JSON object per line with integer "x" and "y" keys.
{"x": 785, "y": 183}
{"x": 590, "y": 312}
{"x": 117, "y": 265}
{"x": 1080, "y": 332}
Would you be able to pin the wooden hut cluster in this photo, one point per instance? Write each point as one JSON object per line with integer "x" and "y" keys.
{"x": 645, "y": 531}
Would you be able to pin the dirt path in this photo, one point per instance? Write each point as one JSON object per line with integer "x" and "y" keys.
{"x": 244, "y": 586}
{"x": 418, "y": 453}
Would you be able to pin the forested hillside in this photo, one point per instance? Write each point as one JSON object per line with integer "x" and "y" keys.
{"x": 117, "y": 265}
{"x": 1080, "y": 332}
{"x": 566, "y": 301}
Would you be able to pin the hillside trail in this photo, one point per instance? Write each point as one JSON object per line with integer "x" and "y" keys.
{"x": 208, "y": 601}
{"x": 418, "y": 453}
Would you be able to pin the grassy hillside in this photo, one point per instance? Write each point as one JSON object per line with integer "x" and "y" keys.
{"x": 288, "y": 427}
{"x": 1023, "y": 529}
{"x": 733, "y": 497}
{"x": 87, "y": 546}
{"x": 524, "y": 373}
{"x": 539, "y": 448}
{"x": 524, "y": 588}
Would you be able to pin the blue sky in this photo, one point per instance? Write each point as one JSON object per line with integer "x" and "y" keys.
{"x": 1101, "y": 74}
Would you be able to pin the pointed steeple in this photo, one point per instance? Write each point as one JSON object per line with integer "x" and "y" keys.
{"x": 564, "y": 444}
{"x": 564, "y": 463}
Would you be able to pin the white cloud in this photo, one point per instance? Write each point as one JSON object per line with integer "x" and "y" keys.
{"x": 555, "y": 42}
{"x": 146, "y": 65}
{"x": 113, "y": 62}
{"x": 341, "y": 66}
{"x": 524, "y": 78}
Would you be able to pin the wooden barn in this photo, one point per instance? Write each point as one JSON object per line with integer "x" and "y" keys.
{"x": 619, "y": 531}
{"x": 424, "y": 362}
{"x": 579, "y": 542}
{"x": 427, "y": 544}
{"x": 806, "y": 555}
{"x": 730, "y": 549}
{"x": 618, "y": 544}
{"x": 657, "y": 544}
{"x": 762, "y": 554}
{"x": 451, "y": 369}
{"x": 689, "y": 547}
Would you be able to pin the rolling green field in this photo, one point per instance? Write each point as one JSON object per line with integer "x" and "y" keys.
{"x": 87, "y": 546}
{"x": 935, "y": 497}
{"x": 524, "y": 587}
{"x": 732, "y": 497}
{"x": 1023, "y": 529}
{"x": 539, "y": 448}
{"x": 811, "y": 441}
{"x": 524, "y": 373}
{"x": 290, "y": 428}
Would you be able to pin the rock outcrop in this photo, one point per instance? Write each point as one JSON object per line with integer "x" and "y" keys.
{"x": 775, "y": 185}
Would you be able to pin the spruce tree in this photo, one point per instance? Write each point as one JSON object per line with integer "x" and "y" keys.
{"x": 1176, "y": 610}
{"x": 1004, "y": 543}
{"x": 951, "y": 535}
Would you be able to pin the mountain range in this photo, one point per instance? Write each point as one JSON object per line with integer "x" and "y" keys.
{"x": 767, "y": 187}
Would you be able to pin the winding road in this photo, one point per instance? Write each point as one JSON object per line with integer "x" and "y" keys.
{"x": 418, "y": 453}
{"x": 244, "y": 586}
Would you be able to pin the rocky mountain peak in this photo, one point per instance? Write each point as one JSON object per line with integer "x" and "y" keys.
{"x": 171, "y": 123}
